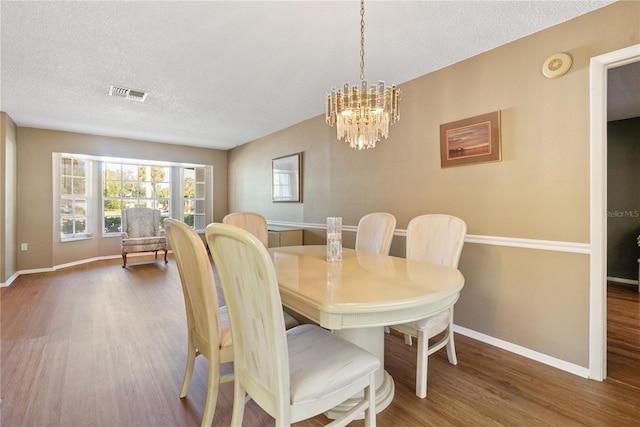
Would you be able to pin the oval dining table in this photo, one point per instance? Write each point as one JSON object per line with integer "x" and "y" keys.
{"x": 358, "y": 297}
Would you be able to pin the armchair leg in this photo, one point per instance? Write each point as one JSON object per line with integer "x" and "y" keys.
{"x": 165, "y": 256}
{"x": 124, "y": 260}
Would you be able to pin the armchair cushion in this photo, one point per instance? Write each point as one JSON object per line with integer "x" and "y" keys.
{"x": 144, "y": 244}
{"x": 141, "y": 222}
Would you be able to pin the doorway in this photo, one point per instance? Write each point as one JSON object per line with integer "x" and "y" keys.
{"x": 598, "y": 205}
{"x": 623, "y": 224}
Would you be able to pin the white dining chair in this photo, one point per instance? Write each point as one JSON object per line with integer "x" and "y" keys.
{"x": 293, "y": 375}
{"x": 256, "y": 224}
{"x": 375, "y": 232}
{"x": 208, "y": 329}
{"x": 437, "y": 239}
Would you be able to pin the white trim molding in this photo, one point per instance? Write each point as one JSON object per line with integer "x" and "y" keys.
{"x": 10, "y": 280}
{"x": 525, "y": 352}
{"x": 513, "y": 242}
{"x": 598, "y": 70}
{"x": 543, "y": 245}
{"x": 69, "y": 264}
{"x": 621, "y": 280}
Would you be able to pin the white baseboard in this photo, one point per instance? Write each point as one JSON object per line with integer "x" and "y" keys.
{"x": 621, "y": 280}
{"x": 525, "y": 352}
{"x": 100, "y": 258}
{"x": 70, "y": 264}
{"x": 10, "y": 280}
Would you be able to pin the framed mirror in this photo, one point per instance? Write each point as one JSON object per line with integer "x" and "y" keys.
{"x": 287, "y": 178}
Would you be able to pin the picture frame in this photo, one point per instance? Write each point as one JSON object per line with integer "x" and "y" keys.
{"x": 472, "y": 140}
{"x": 286, "y": 178}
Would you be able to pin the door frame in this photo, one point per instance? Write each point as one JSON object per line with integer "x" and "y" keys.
{"x": 599, "y": 67}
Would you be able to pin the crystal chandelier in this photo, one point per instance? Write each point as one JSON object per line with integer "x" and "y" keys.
{"x": 363, "y": 113}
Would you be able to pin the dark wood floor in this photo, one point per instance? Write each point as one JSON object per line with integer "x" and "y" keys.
{"x": 97, "y": 345}
{"x": 623, "y": 334}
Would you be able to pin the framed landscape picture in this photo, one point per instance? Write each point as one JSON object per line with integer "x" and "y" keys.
{"x": 472, "y": 140}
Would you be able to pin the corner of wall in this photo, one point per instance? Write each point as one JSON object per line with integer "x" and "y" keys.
{"x": 8, "y": 132}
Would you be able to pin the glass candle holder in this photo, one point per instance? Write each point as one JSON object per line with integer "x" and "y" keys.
{"x": 334, "y": 239}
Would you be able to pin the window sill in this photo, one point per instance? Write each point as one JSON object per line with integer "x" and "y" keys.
{"x": 75, "y": 239}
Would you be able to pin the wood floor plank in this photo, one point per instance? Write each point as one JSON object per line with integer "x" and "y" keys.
{"x": 99, "y": 345}
{"x": 623, "y": 333}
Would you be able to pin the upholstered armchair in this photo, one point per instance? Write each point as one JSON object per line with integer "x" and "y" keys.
{"x": 141, "y": 233}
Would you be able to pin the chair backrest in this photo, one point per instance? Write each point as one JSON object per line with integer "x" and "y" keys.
{"x": 248, "y": 278}
{"x": 141, "y": 222}
{"x": 375, "y": 232}
{"x": 436, "y": 238}
{"x": 198, "y": 286}
{"x": 254, "y": 223}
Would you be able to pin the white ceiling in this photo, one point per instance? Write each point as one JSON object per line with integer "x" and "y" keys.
{"x": 623, "y": 92}
{"x": 222, "y": 73}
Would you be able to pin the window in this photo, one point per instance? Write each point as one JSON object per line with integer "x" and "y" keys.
{"x": 74, "y": 198}
{"x": 193, "y": 196}
{"x": 127, "y": 185}
{"x": 179, "y": 190}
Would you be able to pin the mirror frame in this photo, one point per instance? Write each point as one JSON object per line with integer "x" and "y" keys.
{"x": 286, "y": 169}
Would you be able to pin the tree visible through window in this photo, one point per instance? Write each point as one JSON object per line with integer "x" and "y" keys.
{"x": 178, "y": 190}
{"x": 193, "y": 180}
{"x": 131, "y": 185}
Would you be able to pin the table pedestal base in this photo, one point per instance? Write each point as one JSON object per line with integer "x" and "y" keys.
{"x": 372, "y": 340}
{"x": 384, "y": 396}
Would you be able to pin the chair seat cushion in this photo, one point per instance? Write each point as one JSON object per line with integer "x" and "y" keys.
{"x": 152, "y": 240}
{"x": 144, "y": 244}
{"x": 320, "y": 363}
{"x": 432, "y": 325}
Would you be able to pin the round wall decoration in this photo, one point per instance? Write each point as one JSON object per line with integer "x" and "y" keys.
{"x": 556, "y": 65}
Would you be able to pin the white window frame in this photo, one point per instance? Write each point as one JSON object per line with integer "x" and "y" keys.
{"x": 198, "y": 201}
{"x": 85, "y": 198}
{"x": 148, "y": 200}
{"x": 96, "y": 200}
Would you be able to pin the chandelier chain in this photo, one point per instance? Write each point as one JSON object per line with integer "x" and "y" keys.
{"x": 361, "y": 40}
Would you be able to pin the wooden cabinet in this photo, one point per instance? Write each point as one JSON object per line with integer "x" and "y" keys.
{"x": 282, "y": 236}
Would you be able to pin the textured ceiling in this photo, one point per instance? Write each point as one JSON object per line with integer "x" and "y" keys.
{"x": 623, "y": 92}
{"x": 222, "y": 73}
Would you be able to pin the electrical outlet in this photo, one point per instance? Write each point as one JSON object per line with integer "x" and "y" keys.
{"x": 24, "y": 246}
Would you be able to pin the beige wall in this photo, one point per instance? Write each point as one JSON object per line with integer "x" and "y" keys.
{"x": 35, "y": 195}
{"x": 540, "y": 190}
{"x": 7, "y": 197}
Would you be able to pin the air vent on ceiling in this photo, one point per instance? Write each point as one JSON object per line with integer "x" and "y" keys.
{"x": 123, "y": 92}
